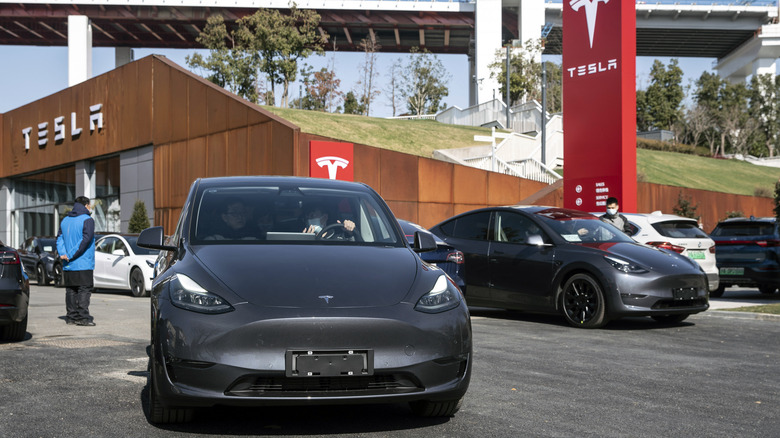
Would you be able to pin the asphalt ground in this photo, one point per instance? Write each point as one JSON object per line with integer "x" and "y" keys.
{"x": 714, "y": 375}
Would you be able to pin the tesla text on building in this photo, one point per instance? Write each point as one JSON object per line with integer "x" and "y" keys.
{"x": 59, "y": 127}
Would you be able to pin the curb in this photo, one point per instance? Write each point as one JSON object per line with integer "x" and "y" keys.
{"x": 742, "y": 315}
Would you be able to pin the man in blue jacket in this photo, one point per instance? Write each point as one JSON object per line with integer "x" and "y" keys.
{"x": 76, "y": 246}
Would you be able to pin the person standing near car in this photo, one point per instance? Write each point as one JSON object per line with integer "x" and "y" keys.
{"x": 613, "y": 217}
{"x": 76, "y": 246}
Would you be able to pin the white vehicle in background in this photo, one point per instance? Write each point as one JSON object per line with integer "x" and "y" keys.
{"x": 121, "y": 264}
{"x": 679, "y": 234}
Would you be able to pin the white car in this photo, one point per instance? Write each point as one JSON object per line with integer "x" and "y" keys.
{"x": 121, "y": 264}
{"x": 679, "y": 234}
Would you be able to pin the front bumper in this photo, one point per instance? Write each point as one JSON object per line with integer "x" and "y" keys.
{"x": 644, "y": 295}
{"x": 236, "y": 359}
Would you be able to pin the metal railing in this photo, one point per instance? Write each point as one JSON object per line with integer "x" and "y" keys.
{"x": 762, "y": 3}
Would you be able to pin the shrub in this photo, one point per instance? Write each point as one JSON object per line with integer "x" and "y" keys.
{"x": 684, "y": 207}
{"x": 138, "y": 221}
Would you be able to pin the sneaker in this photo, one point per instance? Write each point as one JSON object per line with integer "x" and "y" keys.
{"x": 85, "y": 323}
{"x": 71, "y": 321}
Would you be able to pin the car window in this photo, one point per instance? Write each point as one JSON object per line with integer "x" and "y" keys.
{"x": 472, "y": 226}
{"x": 744, "y": 229}
{"x": 137, "y": 250}
{"x": 106, "y": 245}
{"x": 514, "y": 228}
{"x": 291, "y": 214}
{"x": 120, "y": 245}
{"x": 579, "y": 230}
{"x": 633, "y": 229}
{"x": 680, "y": 230}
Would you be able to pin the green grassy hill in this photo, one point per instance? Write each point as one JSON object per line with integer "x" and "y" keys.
{"x": 422, "y": 137}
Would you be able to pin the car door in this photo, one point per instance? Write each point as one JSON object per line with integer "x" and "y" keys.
{"x": 520, "y": 272}
{"x": 104, "y": 261}
{"x": 28, "y": 256}
{"x": 469, "y": 233}
{"x": 119, "y": 273}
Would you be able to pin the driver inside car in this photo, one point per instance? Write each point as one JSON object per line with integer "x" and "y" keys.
{"x": 317, "y": 220}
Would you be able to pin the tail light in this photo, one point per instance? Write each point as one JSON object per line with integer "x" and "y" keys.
{"x": 669, "y": 246}
{"x": 768, "y": 243}
{"x": 455, "y": 257}
{"x": 8, "y": 258}
{"x": 712, "y": 249}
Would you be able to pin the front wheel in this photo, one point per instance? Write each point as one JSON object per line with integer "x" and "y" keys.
{"x": 582, "y": 302}
{"x": 41, "y": 274}
{"x": 158, "y": 413}
{"x": 428, "y": 408}
{"x": 670, "y": 319}
{"x": 137, "y": 283}
{"x": 59, "y": 280}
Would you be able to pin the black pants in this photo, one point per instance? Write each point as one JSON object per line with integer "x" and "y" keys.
{"x": 78, "y": 291}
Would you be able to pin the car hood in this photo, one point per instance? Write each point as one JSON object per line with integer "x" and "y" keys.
{"x": 306, "y": 276}
{"x": 661, "y": 261}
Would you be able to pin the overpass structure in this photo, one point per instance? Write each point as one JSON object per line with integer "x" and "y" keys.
{"x": 742, "y": 35}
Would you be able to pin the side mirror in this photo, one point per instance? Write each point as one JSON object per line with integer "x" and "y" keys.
{"x": 119, "y": 252}
{"x": 423, "y": 242}
{"x": 537, "y": 240}
{"x": 152, "y": 238}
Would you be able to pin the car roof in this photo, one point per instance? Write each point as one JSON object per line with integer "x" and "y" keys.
{"x": 749, "y": 219}
{"x": 658, "y": 216}
{"x": 234, "y": 181}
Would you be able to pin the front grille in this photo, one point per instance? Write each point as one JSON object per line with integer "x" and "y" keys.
{"x": 675, "y": 304}
{"x": 259, "y": 386}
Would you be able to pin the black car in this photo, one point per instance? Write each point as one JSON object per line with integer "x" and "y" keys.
{"x": 249, "y": 311}
{"x": 748, "y": 253}
{"x": 38, "y": 256}
{"x": 14, "y": 296}
{"x": 446, "y": 257}
{"x": 555, "y": 260}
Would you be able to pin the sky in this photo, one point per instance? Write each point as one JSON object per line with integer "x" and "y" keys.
{"x": 29, "y": 73}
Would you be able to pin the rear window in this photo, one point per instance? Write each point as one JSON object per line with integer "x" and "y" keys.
{"x": 744, "y": 229}
{"x": 680, "y": 230}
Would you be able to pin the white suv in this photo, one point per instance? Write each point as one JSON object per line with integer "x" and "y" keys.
{"x": 679, "y": 234}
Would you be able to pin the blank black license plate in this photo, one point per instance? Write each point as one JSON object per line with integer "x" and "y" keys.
{"x": 685, "y": 293}
{"x": 329, "y": 363}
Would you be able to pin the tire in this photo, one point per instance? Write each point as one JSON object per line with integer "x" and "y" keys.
{"x": 717, "y": 293}
{"x": 59, "y": 280}
{"x": 670, "y": 319}
{"x": 41, "y": 274}
{"x": 14, "y": 332}
{"x": 158, "y": 413}
{"x": 766, "y": 289}
{"x": 428, "y": 408}
{"x": 137, "y": 286}
{"x": 582, "y": 302}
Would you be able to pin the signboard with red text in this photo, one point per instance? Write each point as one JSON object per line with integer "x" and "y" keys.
{"x": 599, "y": 103}
{"x": 331, "y": 160}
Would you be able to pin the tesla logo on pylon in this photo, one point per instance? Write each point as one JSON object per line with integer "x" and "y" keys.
{"x": 331, "y": 160}
{"x": 591, "y": 10}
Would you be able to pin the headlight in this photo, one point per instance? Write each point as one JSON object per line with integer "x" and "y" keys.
{"x": 149, "y": 264}
{"x": 188, "y": 295}
{"x": 624, "y": 266}
{"x": 441, "y": 298}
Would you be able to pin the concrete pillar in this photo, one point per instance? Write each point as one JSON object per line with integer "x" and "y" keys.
{"x": 85, "y": 179}
{"x": 79, "y": 49}
{"x": 6, "y": 213}
{"x": 122, "y": 56}
{"x": 487, "y": 30}
{"x": 764, "y": 66}
{"x": 473, "y": 84}
{"x": 530, "y": 21}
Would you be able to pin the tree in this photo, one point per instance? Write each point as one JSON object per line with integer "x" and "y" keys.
{"x": 369, "y": 75}
{"x": 139, "y": 220}
{"x": 765, "y": 110}
{"x": 425, "y": 83}
{"x": 393, "y": 87}
{"x": 659, "y": 106}
{"x": 352, "y": 106}
{"x": 321, "y": 91}
{"x": 525, "y": 76}
{"x": 684, "y": 207}
{"x": 265, "y": 42}
{"x": 228, "y": 65}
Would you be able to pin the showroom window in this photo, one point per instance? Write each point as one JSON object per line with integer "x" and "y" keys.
{"x": 106, "y": 202}
{"x": 40, "y": 200}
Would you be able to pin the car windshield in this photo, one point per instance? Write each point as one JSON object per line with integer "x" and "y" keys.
{"x": 49, "y": 245}
{"x": 137, "y": 250}
{"x": 296, "y": 214}
{"x": 585, "y": 229}
{"x": 744, "y": 229}
{"x": 680, "y": 230}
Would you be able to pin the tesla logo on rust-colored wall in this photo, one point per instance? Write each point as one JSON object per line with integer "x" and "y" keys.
{"x": 599, "y": 101}
{"x": 331, "y": 160}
